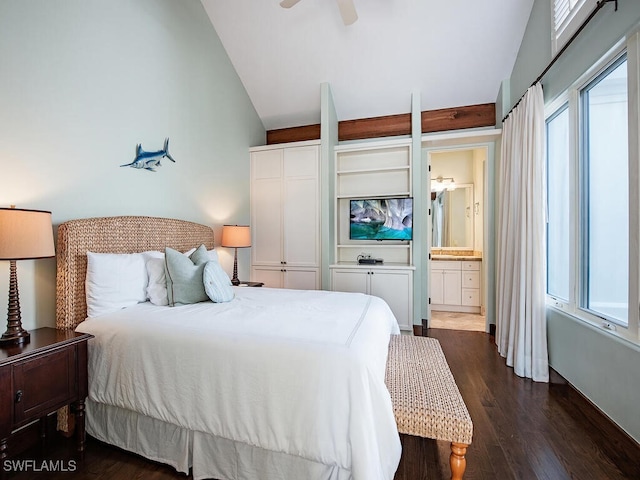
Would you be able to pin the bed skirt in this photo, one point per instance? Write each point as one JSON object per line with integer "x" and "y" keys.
{"x": 208, "y": 456}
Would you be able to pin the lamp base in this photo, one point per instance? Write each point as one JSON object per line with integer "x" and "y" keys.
{"x": 14, "y": 334}
{"x": 11, "y": 338}
{"x": 234, "y": 280}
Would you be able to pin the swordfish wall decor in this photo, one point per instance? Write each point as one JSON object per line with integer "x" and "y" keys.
{"x": 149, "y": 160}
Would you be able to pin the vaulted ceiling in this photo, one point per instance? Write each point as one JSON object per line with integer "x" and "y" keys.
{"x": 454, "y": 52}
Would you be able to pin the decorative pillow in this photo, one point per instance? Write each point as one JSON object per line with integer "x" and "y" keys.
{"x": 213, "y": 255}
{"x": 184, "y": 276}
{"x": 157, "y": 289}
{"x": 114, "y": 281}
{"x": 217, "y": 283}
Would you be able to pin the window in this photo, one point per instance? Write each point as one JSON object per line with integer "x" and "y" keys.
{"x": 561, "y": 12}
{"x": 604, "y": 221}
{"x": 558, "y": 254}
{"x": 592, "y": 250}
{"x": 568, "y": 15}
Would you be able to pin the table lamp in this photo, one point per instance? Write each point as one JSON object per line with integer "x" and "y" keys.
{"x": 24, "y": 235}
{"x": 236, "y": 236}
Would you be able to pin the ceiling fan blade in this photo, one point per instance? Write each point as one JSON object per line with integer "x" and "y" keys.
{"x": 347, "y": 10}
{"x": 288, "y": 3}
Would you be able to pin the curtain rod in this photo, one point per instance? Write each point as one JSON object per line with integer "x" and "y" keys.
{"x": 597, "y": 8}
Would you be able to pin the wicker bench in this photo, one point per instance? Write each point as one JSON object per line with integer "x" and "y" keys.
{"x": 426, "y": 399}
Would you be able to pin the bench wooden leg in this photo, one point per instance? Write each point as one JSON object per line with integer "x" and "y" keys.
{"x": 457, "y": 461}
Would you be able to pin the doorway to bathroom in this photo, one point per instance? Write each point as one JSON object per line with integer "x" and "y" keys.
{"x": 457, "y": 221}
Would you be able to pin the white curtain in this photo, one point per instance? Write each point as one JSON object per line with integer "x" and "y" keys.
{"x": 521, "y": 330}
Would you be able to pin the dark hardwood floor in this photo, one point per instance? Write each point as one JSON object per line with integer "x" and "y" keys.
{"x": 522, "y": 430}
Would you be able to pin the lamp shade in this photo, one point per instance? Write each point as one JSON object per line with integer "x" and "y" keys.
{"x": 238, "y": 236}
{"x": 25, "y": 234}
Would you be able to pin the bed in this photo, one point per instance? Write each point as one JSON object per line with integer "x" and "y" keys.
{"x": 275, "y": 384}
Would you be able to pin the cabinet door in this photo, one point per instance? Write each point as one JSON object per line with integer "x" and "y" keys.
{"x": 350, "y": 281}
{"x": 437, "y": 287}
{"x": 271, "y": 277}
{"x": 301, "y": 213}
{"x": 452, "y": 289}
{"x": 301, "y": 278}
{"x": 266, "y": 207}
{"x": 43, "y": 384}
{"x": 395, "y": 288}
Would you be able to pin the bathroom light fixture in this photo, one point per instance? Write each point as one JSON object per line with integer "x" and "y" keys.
{"x": 442, "y": 183}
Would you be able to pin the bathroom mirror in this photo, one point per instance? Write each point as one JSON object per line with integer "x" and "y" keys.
{"x": 452, "y": 217}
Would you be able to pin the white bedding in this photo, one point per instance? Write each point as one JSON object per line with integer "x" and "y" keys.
{"x": 297, "y": 372}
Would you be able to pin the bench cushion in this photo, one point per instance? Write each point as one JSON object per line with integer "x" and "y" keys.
{"x": 426, "y": 399}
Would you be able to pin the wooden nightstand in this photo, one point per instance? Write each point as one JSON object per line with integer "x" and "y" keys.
{"x": 251, "y": 284}
{"x": 40, "y": 377}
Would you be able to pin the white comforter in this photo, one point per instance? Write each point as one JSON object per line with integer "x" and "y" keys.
{"x": 299, "y": 372}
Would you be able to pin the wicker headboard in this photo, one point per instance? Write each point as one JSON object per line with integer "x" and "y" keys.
{"x": 112, "y": 235}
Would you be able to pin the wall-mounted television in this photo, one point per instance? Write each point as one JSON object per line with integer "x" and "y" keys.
{"x": 381, "y": 219}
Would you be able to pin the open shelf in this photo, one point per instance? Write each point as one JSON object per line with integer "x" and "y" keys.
{"x": 373, "y": 195}
{"x": 370, "y": 170}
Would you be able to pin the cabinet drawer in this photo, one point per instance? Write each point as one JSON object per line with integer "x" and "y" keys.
{"x": 471, "y": 297}
{"x": 445, "y": 265}
{"x": 471, "y": 265}
{"x": 296, "y": 278}
{"x": 470, "y": 279}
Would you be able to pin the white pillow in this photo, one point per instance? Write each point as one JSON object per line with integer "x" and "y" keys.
{"x": 157, "y": 286}
{"x": 115, "y": 281}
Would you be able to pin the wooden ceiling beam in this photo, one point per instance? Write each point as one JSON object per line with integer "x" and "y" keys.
{"x": 375, "y": 127}
{"x": 470, "y": 116}
{"x": 293, "y": 134}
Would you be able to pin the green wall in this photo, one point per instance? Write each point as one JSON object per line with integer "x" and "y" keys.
{"x": 601, "y": 366}
{"x": 83, "y": 82}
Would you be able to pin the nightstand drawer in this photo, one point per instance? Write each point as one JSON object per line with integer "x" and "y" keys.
{"x": 43, "y": 384}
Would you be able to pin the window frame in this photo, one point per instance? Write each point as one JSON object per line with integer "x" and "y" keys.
{"x": 583, "y": 179}
{"x": 553, "y": 111}
{"x": 571, "y": 97}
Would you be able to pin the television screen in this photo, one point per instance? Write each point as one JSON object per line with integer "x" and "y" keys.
{"x": 381, "y": 219}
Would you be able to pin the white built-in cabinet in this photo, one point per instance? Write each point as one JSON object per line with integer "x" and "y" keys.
{"x": 373, "y": 170}
{"x": 455, "y": 285}
{"x": 285, "y": 215}
{"x": 393, "y": 285}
